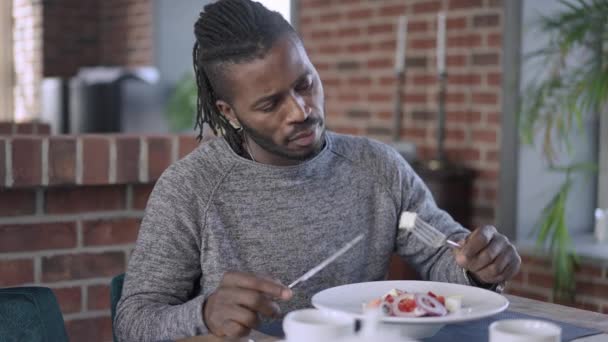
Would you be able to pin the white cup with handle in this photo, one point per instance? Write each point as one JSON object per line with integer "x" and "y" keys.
{"x": 317, "y": 325}
{"x": 524, "y": 330}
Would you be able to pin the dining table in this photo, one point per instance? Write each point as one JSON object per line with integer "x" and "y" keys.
{"x": 531, "y": 307}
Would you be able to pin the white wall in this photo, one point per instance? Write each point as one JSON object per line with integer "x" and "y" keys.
{"x": 536, "y": 185}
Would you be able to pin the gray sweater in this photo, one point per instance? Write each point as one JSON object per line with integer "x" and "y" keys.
{"x": 214, "y": 211}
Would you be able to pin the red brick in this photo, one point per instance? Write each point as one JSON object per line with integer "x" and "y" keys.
{"x": 413, "y": 133}
{"x": 494, "y": 40}
{"x": 82, "y": 266}
{"x": 456, "y": 60}
{"x": 529, "y": 260}
{"x": 62, "y": 161}
{"x": 349, "y": 97}
{"x": 320, "y": 34}
{"x": 485, "y": 98}
{"x": 95, "y": 160}
{"x": 349, "y": 32}
{"x": 359, "y": 14}
{"x": 43, "y": 129}
{"x": 98, "y": 297}
{"x": 463, "y": 117}
{"x": 35, "y": 237}
{"x": 17, "y": 202}
{"x": 423, "y": 115}
{"x": 110, "y": 232}
{"x": 494, "y": 78}
{"x": 486, "y": 20}
{"x": 90, "y": 329}
{"x": 464, "y": 79}
{"x": 488, "y": 175}
{"x": 541, "y": 279}
{"x": 141, "y": 192}
{"x": 484, "y": 136}
{"x": 455, "y": 98}
{"x": 466, "y": 154}
{"x": 85, "y": 199}
{"x": 385, "y": 45}
{"x": 69, "y": 298}
{"x": 187, "y": 144}
{"x": 379, "y": 63}
{"x": 26, "y": 128}
{"x": 426, "y": 7}
{"x": 380, "y": 28}
{"x": 421, "y": 44}
{"x": 387, "y": 81}
{"x": 379, "y": 97}
{"x": 331, "y": 17}
{"x": 464, "y": 40}
{"x": 330, "y": 49}
{"x": 16, "y": 272}
{"x": 159, "y": 155}
{"x": 483, "y": 59}
{"x": 455, "y": 134}
{"x": 421, "y": 80}
{"x": 589, "y": 270}
{"x": 592, "y": 288}
{"x": 493, "y": 119}
{"x": 456, "y": 4}
{"x": 413, "y": 98}
{"x": 359, "y": 81}
{"x": 458, "y": 23}
{"x": 416, "y": 62}
{"x": 417, "y": 26}
{"x": 359, "y": 47}
{"x": 127, "y": 159}
{"x": 393, "y": 10}
{"x": 6, "y": 128}
{"x": 2, "y": 162}
{"x": 518, "y": 278}
{"x": 27, "y": 161}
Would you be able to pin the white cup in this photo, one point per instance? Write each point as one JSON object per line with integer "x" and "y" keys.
{"x": 524, "y": 330}
{"x": 308, "y": 325}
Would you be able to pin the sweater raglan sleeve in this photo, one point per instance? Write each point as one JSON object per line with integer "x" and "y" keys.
{"x": 436, "y": 264}
{"x": 158, "y": 299}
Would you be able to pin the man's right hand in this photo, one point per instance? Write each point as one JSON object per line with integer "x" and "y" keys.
{"x": 232, "y": 310}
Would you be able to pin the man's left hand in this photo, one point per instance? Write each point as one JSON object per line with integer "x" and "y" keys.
{"x": 488, "y": 255}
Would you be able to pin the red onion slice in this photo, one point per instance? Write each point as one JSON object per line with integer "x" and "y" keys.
{"x": 417, "y": 312}
{"x": 430, "y": 305}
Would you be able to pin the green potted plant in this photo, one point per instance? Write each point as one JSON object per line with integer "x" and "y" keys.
{"x": 554, "y": 106}
{"x": 181, "y": 107}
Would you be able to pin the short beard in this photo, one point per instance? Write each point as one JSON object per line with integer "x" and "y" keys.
{"x": 270, "y": 146}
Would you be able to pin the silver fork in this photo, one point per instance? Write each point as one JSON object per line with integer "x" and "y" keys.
{"x": 426, "y": 233}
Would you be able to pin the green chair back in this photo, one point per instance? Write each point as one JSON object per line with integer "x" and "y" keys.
{"x": 115, "y": 293}
{"x": 30, "y": 314}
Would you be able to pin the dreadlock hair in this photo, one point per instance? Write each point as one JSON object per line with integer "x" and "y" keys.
{"x": 229, "y": 32}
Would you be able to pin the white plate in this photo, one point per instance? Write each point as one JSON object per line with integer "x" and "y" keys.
{"x": 476, "y": 303}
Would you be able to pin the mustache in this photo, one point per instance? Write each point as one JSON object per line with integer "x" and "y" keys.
{"x": 307, "y": 125}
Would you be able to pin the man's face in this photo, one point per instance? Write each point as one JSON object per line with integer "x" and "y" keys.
{"x": 278, "y": 100}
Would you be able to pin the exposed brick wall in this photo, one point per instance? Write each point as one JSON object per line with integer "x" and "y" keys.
{"x": 352, "y": 44}
{"x": 27, "y": 49}
{"x": 70, "y": 208}
{"x": 71, "y": 36}
{"x": 88, "y": 33}
{"x": 126, "y": 32}
{"x": 535, "y": 280}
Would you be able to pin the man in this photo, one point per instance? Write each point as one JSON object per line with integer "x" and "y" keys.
{"x": 276, "y": 194}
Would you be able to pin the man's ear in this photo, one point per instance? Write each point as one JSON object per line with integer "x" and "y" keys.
{"x": 226, "y": 110}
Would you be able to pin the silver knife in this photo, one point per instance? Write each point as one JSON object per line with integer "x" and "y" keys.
{"x": 327, "y": 261}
